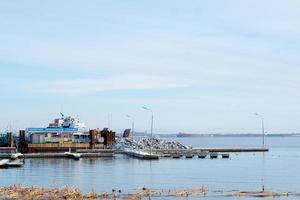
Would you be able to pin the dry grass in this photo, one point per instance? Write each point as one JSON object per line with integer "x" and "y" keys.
{"x": 30, "y": 193}
{"x": 67, "y": 193}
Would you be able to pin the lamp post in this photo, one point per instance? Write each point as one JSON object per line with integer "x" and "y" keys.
{"x": 132, "y": 126}
{"x": 151, "y": 127}
{"x": 262, "y": 127}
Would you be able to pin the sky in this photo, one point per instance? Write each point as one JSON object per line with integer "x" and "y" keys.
{"x": 201, "y": 66}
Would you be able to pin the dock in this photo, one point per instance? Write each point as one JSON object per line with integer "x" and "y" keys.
{"x": 188, "y": 153}
{"x": 83, "y": 153}
{"x": 199, "y": 151}
{"x": 63, "y": 155}
{"x": 142, "y": 154}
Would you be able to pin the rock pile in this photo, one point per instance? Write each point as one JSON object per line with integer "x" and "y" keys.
{"x": 145, "y": 144}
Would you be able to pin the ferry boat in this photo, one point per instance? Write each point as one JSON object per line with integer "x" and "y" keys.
{"x": 67, "y": 133}
{"x": 61, "y": 130}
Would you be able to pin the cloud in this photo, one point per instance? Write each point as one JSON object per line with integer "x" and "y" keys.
{"x": 120, "y": 82}
{"x": 209, "y": 61}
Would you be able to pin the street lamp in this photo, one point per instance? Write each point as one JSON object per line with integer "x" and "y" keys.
{"x": 262, "y": 127}
{"x": 151, "y": 126}
{"x": 132, "y": 126}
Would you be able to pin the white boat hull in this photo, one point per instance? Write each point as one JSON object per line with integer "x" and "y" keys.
{"x": 73, "y": 155}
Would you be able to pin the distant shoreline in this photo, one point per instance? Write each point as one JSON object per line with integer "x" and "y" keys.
{"x": 238, "y": 135}
{"x": 184, "y": 135}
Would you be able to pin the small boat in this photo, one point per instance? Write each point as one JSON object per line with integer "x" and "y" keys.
{"x": 225, "y": 155}
{"x": 202, "y": 155}
{"x": 189, "y": 156}
{"x": 16, "y": 156}
{"x": 73, "y": 155}
{"x": 4, "y": 163}
{"x": 213, "y": 155}
{"x": 167, "y": 155}
{"x": 16, "y": 163}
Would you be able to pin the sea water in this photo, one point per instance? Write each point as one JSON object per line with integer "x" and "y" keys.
{"x": 276, "y": 170}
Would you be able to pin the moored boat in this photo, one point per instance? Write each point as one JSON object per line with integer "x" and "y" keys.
{"x": 4, "y": 163}
{"x": 73, "y": 155}
{"x": 7, "y": 163}
{"x": 16, "y": 156}
{"x": 16, "y": 163}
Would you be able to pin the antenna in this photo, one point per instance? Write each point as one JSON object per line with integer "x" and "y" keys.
{"x": 108, "y": 121}
{"x": 111, "y": 119}
{"x": 10, "y": 127}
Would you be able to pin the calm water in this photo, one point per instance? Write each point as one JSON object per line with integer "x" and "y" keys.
{"x": 278, "y": 169}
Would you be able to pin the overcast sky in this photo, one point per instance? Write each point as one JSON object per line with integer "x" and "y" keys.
{"x": 202, "y": 66}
